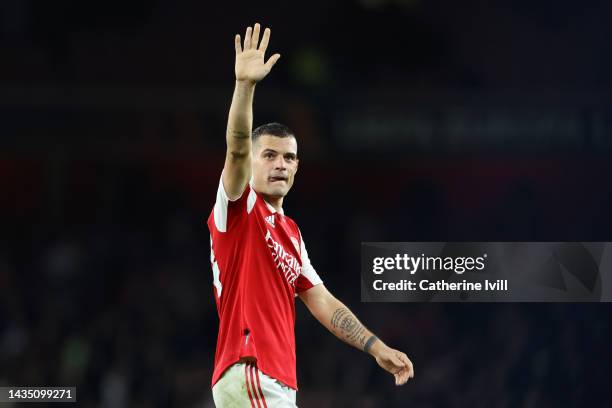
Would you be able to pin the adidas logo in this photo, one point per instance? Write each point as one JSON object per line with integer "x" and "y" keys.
{"x": 270, "y": 220}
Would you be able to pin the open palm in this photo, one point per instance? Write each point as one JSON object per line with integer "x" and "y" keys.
{"x": 250, "y": 64}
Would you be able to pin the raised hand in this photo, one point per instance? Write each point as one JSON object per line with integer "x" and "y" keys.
{"x": 250, "y": 65}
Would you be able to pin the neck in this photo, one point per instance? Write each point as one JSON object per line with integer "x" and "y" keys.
{"x": 276, "y": 202}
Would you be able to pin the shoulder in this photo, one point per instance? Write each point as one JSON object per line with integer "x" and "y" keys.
{"x": 227, "y": 212}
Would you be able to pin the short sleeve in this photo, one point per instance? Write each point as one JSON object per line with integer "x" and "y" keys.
{"x": 224, "y": 207}
{"x": 309, "y": 276}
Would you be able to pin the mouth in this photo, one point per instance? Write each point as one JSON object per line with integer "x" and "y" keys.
{"x": 274, "y": 179}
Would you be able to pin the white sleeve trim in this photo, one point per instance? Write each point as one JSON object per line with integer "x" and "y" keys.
{"x": 251, "y": 200}
{"x": 308, "y": 270}
{"x": 220, "y": 209}
{"x": 216, "y": 271}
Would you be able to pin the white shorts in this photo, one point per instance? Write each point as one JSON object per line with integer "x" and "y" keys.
{"x": 242, "y": 385}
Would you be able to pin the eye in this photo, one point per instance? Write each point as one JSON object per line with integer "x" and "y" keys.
{"x": 268, "y": 155}
{"x": 290, "y": 158}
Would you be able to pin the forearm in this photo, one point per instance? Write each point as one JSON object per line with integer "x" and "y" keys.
{"x": 240, "y": 119}
{"x": 343, "y": 323}
{"x": 339, "y": 320}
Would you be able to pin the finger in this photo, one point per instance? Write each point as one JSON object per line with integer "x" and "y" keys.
{"x": 272, "y": 60}
{"x": 408, "y": 364}
{"x": 410, "y": 367}
{"x": 399, "y": 376}
{"x": 404, "y": 375}
{"x": 237, "y": 44}
{"x": 247, "y": 39}
{"x": 263, "y": 46}
{"x": 255, "y": 38}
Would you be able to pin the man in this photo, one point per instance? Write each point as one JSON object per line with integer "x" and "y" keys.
{"x": 259, "y": 259}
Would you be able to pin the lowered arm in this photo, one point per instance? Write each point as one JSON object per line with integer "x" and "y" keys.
{"x": 338, "y": 319}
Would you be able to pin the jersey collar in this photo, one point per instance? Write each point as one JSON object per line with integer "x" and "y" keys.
{"x": 272, "y": 209}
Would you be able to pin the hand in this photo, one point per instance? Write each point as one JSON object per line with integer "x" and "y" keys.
{"x": 395, "y": 362}
{"x": 250, "y": 64}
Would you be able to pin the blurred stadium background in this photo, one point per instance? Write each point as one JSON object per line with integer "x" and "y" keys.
{"x": 417, "y": 120}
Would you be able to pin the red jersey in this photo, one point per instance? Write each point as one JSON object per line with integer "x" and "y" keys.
{"x": 259, "y": 264}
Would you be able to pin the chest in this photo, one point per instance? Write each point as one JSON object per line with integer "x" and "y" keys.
{"x": 282, "y": 239}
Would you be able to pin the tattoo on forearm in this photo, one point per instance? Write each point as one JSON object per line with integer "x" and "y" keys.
{"x": 349, "y": 328}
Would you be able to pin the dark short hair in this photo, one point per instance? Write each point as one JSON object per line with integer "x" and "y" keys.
{"x": 273, "y": 129}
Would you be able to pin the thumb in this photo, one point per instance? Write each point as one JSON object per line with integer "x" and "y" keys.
{"x": 272, "y": 60}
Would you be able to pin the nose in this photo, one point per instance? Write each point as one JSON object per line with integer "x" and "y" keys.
{"x": 279, "y": 163}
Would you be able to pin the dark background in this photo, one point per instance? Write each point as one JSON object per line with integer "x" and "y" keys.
{"x": 417, "y": 120}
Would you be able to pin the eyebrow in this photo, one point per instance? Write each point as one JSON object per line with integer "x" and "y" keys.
{"x": 266, "y": 150}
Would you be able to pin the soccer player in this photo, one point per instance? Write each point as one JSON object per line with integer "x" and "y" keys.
{"x": 259, "y": 259}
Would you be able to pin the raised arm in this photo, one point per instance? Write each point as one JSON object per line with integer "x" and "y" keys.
{"x": 250, "y": 68}
{"x": 339, "y": 320}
